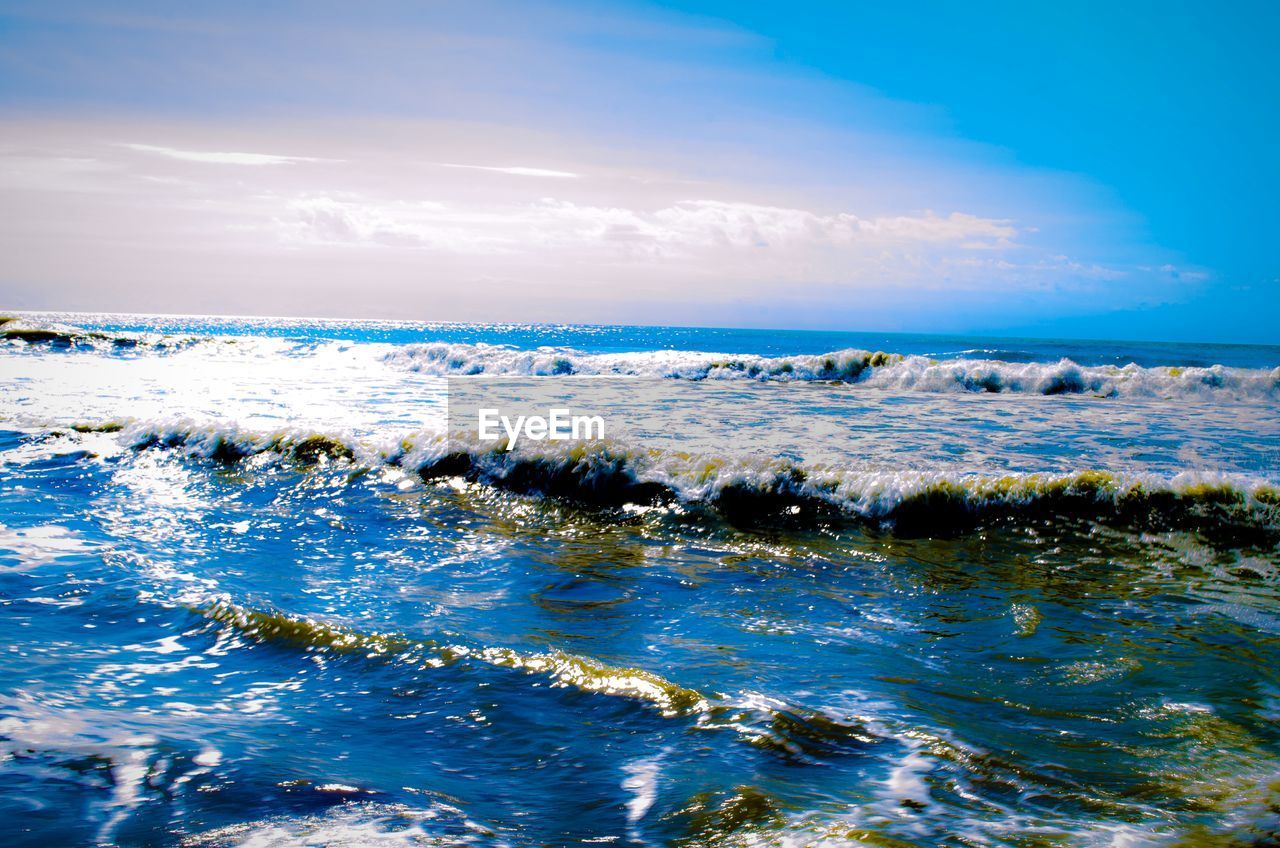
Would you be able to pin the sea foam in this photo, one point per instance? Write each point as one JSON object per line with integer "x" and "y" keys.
{"x": 749, "y": 489}
{"x": 870, "y": 368}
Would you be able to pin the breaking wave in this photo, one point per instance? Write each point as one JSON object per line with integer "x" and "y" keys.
{"x": 748, "y": 490}
{"x": 50, "y": 334}
{"x": 876, "y": 369}
{"x": 442, "y": 359}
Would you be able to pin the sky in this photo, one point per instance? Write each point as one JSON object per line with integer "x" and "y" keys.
{"x": 1087, "y": 170}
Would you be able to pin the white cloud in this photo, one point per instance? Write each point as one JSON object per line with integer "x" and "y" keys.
{"x": 751, "y": 225}
{"x": 629, "y": 230}
{"x": 681, "y": 228}
{"x": 54, "y": 173}
{"x": 324, "y": 220}
{"x": 516, "y": 170}
{"x": 219, "y": 158}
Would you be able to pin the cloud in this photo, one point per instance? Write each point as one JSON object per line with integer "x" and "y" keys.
{"x": 219, "y": 158}
{"x": 89, "y": 220}
{"x": 76, "y": 174}
{"x": 324, "y": 220}
{"x": 679, "y": 229}
{"x": 517, "y": 170}
{"x": 751, "y": 225}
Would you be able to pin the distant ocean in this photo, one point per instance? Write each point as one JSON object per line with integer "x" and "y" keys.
{"x": 852, "y": 589}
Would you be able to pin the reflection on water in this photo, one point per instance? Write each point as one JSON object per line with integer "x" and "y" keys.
{"x": 444, "y": 663}
{"x": 251, "y": 597}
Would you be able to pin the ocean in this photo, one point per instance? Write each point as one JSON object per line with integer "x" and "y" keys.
{"x": 813, "y": 589}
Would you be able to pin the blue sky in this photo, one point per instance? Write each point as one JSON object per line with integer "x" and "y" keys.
{"x": 1086, "y": 169}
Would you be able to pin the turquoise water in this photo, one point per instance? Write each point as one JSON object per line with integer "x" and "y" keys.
{"x": 972, "y": 592}
{"x": 609, "y": 338}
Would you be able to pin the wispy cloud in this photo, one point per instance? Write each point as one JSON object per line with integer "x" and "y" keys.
{"x": 606, "y": 234}
{"x": 516, "y": 170}
{"x": 218, "y": 157}
{"x": 680, "y": 228}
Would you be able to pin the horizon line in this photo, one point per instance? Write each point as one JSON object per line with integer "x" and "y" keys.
{"x": 454, "y": 322}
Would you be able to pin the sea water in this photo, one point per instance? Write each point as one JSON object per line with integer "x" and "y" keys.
{"x": 823, "y": 588}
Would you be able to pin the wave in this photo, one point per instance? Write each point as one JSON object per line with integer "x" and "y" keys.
{"x": 755, "y": 491}
{"x": 877, "y": 369}
{"x": 585, "y": 674}
{"x": 443, "y": 359}
{"x": 749, "y": 491}
{"x": 231, "y": 443}
{"x": 789, "y": 731}
{"x": 59, "y": 336}
{"x": 371, "y": 824}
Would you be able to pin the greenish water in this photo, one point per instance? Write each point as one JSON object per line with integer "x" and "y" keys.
{"x": 250, "y": 598}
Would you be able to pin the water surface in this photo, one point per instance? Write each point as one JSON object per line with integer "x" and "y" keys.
{"x": 973, "y": 592}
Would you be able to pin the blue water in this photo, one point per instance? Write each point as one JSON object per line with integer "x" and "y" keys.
{"x": 765, "y": 342}
{"x": 251, "y": 598}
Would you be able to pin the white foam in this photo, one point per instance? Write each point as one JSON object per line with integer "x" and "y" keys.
{"x": 642, "y": 784}
{"x": 355, "y": 825}
{"x": 879, "y": 370}
{"x": 41, "y": 545}
{"x": 871, "y": 493}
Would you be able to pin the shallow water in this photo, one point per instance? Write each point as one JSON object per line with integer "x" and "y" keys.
{"x": 253, "y": 597}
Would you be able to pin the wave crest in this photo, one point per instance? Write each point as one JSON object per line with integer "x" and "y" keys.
{"x": 749, "y": 490}
{"x": 585, "y": 674}
{"x": 876, "y": 369}
{"x": 67, "y": 337}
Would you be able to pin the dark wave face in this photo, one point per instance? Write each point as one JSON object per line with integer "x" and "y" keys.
{"x": 254, "y": 593}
